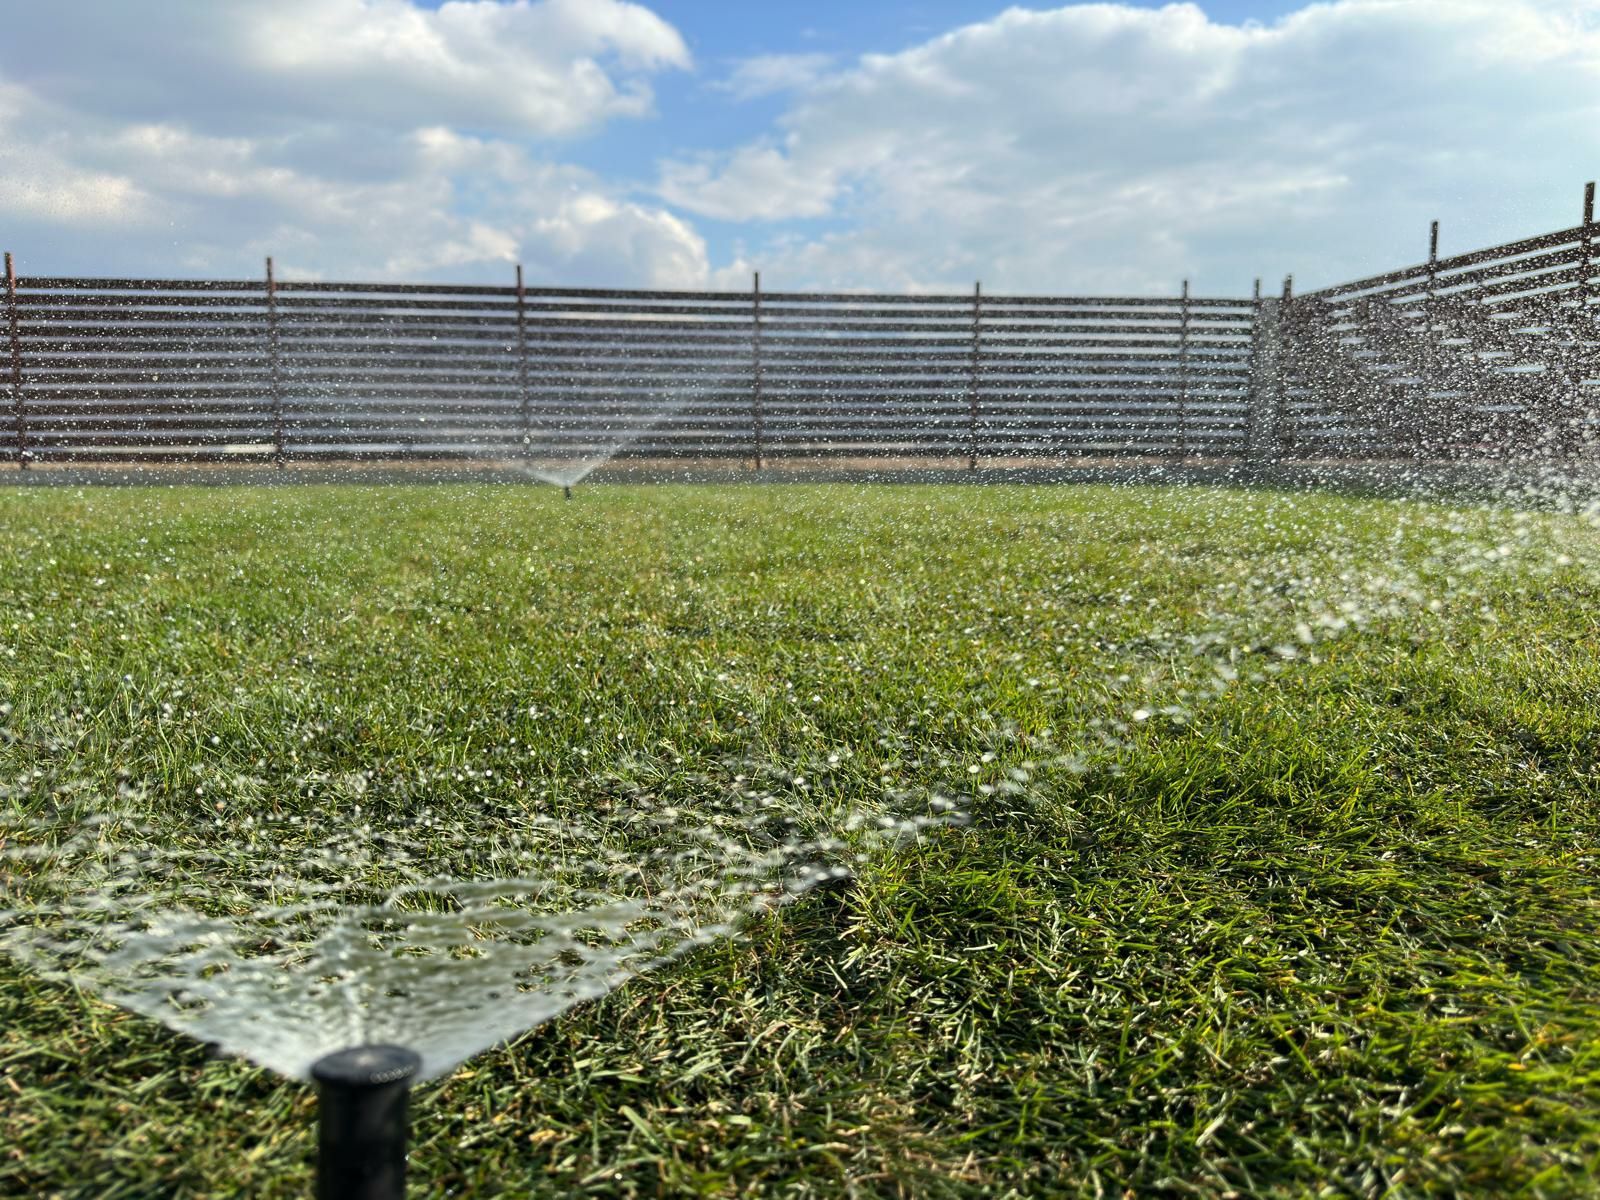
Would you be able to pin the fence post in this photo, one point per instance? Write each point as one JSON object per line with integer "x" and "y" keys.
{"x": 1266, "y": 379}
{"x": 1586, "y": 263}
{"x": 1580, "y": 421}
{"x": 522, "y": 366}
{"x": 1431, "y": 424}
{"x": 1586, "y": 267}
{"x": 19, "y": 416}
{"x": 755, "y": 367}
{"x": 1290, "y": 326}
{"x": 274, "y": 376}
{"x": 1590, "y": 232}
{"x": 1183, "y": 375}
{"x": 972, "y": 376}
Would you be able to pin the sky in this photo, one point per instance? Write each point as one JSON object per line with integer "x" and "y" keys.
{"x": 899, "y": 145}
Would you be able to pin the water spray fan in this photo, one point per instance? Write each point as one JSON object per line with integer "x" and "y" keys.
{"x": 277, "y": 946}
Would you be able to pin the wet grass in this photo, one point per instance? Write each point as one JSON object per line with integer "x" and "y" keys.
{"x": 1292, "y": 891}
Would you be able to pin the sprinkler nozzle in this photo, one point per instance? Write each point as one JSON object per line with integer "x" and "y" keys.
{"x": 839, "y": 881}
{"x": 566, "y": 490}
{"x": 361, "y": 1147}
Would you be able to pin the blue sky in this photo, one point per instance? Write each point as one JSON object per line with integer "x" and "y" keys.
{"x": 721, "y": 35}
{"x": 1107, "y": 148}
{"x": 695, "y": 114}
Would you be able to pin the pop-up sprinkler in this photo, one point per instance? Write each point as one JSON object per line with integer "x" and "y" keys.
{"x": 653, "y": 908}
{"x": 361, "y": 1142}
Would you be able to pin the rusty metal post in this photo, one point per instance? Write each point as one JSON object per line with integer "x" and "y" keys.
{"x": 18, "y": 413}
{"x": 1266, "y": 350}
{"x": 1590, "y": 232}
{"x": 1586, "y": 290}
{"x": 1183, "y": 374}
{"x": 972, "y": 376}
{"x": 274, "y": 371}
{"x": 1287, "y": 329}
{"x": 755, "y": 367}
{"x": 522, "y": 366}
{"x": 1430, "y": 423}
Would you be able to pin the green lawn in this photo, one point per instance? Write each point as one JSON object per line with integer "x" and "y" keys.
{"x": 1280, "y": 878}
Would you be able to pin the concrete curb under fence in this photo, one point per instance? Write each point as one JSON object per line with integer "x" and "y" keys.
{"x": 1492, "y": 355}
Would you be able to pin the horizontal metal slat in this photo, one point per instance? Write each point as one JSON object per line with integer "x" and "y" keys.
{"x": 27, "y": 283}
{"x": 1505, "y": 251}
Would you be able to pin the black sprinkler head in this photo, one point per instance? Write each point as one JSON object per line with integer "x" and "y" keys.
{"x": 361, "y": 1150}
{"x": 840, "y": 882}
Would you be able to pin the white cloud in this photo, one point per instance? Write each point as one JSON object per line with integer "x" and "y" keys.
{"x": 546, "y": 68}
{"x": 39, "y": 187}
{"x": 198, "y": 137}
{"x": 449, "y": 206}
{"x": 1100, "y": 147}
{"x": 536, "y": 68}
{"x": 766, "y": 74}
{"x": 41, "y": 183}
{"x": 756, "y": 182}
{"x": 1092, "y": 148}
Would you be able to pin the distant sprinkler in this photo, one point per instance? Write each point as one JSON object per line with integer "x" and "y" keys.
{"x": 566, "y": 490}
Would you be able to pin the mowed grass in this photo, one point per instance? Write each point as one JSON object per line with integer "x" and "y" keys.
{"x": 1280, "y": 878}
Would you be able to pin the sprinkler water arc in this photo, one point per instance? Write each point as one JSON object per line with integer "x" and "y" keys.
{"x": 318, "y": 973}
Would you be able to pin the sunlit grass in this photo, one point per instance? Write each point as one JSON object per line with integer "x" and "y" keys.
{"x": 1281, "y": 878}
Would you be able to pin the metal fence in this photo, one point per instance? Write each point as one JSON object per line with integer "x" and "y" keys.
{"x": 1493, "y": 354}
{"x": 1487, "y": 354}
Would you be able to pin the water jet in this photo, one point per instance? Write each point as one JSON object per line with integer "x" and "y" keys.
{"x": 366, "y": 958}
{"x": 559, "y": 450}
